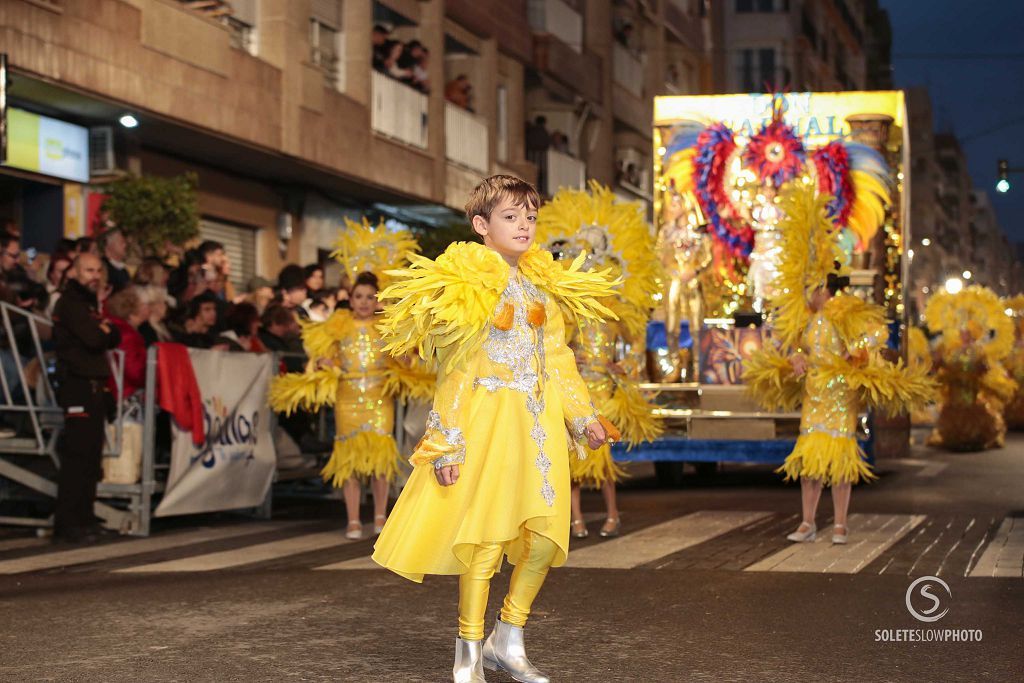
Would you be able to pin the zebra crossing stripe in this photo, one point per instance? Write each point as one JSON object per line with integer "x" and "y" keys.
{"x": 261, "y": 552}
{"x": 870, "y": 536}
{"x": 652, "y": 543}
{"x": 127, "y": 548}
{"x": 358, "y": 563}
{"x": 1004, "y": 556}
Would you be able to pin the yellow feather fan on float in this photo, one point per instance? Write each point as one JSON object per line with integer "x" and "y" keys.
{"x": 614, "y": 236}
{"x": 362, "y": 247}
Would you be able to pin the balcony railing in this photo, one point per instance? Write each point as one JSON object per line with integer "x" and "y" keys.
{"x": 558, "y": 19}
{"x": 398, "y": 111}
{"x": 627, "y": 70}
{"x": 561, "y": 170}
{"x": 465, "y": 138}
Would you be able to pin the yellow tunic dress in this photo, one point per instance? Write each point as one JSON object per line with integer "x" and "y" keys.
{"x": 502, "y": 414}
{"x": 827, "y": 447}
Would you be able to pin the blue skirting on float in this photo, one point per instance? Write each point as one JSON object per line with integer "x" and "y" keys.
{"x": 697, "y": 450}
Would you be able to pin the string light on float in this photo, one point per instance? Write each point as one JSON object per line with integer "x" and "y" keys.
{"x": 967, "y": 275}
{"x": 954, "y": 285}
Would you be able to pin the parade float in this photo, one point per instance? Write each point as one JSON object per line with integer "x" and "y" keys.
{"x": 720, "y": 164}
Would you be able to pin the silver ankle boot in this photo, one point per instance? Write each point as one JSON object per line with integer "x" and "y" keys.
{"x": 505, "y": 650}
{"x": 468, "y": 662}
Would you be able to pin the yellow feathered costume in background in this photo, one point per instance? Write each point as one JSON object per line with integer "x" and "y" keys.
{"x": 614, "y": 236}
{"x": 976, "y": 336}
{"x": 919, "y": 355}
{"x": 1014, "y": 412}
{"x": 507, "y": 391}
{"x": 842, "y": 344}
{"x": 377, "y": 249}
{"x": 349, "y": 371}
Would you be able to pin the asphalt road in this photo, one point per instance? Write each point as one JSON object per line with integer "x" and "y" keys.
{"x": 701, "y": 586}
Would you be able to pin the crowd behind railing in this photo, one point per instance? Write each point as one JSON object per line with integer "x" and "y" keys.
{"x": 187, "y": 297}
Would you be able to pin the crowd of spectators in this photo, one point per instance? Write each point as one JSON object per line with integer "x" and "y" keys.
{"x": 404, "y": 61}
{"x": 192, "y": 302}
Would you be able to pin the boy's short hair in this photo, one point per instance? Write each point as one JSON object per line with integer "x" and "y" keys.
{"x": 487, "y": 194}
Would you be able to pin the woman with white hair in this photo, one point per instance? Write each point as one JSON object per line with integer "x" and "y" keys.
{"x": 153, "y": 329}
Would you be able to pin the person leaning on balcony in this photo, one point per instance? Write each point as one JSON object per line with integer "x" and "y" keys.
{"x": 385, "y": 49}
{"x": 457, "y": 90}
{"x": 81, "y": 341}
{"x": 405, "y": 69}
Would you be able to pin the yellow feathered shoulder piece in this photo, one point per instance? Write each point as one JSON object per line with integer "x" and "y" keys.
{"x": 857, "y": 322}
{"x": 321, "y": 339}
{"x": 976, "y": 311}
{"x": 442, "y": 309}
{"x": 808, "y": 251}
{"x": 577, "y": 290}
{"x": 615, "y": 236}
{"x": 362, "y": 247}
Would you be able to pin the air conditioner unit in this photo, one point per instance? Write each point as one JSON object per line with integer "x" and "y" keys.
{"x": 102, "y": 160}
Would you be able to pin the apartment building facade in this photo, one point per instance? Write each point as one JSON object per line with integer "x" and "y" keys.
{"x": 798, "y": 45}
{"x": 290, "y": 124}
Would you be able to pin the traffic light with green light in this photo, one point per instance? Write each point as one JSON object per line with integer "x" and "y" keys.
{"x": 1003, "y": 179}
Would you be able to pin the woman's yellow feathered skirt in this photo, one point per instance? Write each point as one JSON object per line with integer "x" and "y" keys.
{"x": 364, "y": 455}
{"x": 827, "y": 448}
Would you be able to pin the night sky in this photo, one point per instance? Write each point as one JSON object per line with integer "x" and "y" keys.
{"x": 970, "y": 56}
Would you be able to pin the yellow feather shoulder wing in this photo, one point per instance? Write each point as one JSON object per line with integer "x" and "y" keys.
{"x": 440, "y": 309}
{"x": 321, "y": 339}
{"x": 578, "y": 291}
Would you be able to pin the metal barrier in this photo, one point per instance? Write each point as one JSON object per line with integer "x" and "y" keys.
{"x": 127, "y": 508}
{"x": 37, "y": 401}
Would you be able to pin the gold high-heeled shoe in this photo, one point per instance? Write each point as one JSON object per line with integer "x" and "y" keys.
{"x": 579, "y": 528}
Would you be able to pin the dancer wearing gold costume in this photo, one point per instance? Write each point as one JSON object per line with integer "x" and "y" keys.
{"x": 975, "y": 337}
{"x": 609, "y": 354}
{"x": 491, "y": 475}
{"x": 828, "y": 358}
{"x": 349, "y": 371}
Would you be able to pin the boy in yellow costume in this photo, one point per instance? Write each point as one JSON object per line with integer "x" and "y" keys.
{"x": 491, "y": 475}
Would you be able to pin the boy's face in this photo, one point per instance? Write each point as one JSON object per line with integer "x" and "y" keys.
{"x": 509, "y": 230}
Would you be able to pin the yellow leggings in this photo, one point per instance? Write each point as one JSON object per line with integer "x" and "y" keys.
{"x": 527, "y": 578}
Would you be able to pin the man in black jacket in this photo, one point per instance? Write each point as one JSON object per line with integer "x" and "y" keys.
{"x": 81, "y": 340}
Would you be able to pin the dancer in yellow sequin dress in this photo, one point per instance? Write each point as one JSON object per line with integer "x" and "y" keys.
{"x": 829, "y": 359}
{"x": 491, "y": 476}
{"x": 609, "y": 354}
{"x": 349, "y": 370}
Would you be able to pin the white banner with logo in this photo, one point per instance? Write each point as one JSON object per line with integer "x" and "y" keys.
{"x": 235, "y": 467}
